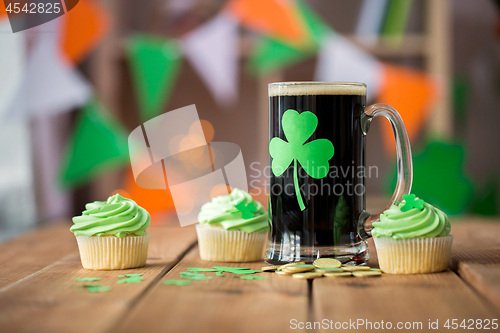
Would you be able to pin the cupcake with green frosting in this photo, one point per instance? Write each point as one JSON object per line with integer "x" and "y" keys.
{"x": 112, "y": 234}
{"x": 412, "y": 237}
{"x": 232, "y": 228}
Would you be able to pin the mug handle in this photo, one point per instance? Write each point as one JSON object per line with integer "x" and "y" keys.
{"x": 404, "y": 161}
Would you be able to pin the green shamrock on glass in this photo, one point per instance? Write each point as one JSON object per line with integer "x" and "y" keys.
{"x": 312, "y": 156}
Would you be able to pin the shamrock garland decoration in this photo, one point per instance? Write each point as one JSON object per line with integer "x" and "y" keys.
{"x": 411, "y": 203}
{"x": 246, "y": 210}
{"x": 312, "y": 156}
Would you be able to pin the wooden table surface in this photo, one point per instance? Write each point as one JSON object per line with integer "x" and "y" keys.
{"x": 38, "y": 292}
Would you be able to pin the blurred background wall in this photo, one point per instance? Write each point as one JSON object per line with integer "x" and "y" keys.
{"x": 455, "y": 142}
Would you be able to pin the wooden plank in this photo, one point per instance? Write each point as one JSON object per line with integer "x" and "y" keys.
{"x": 222, "y": 304}
{"x": 397, "y": 298}
{"x": 24, "y": 255}
{"x": 485, "y": 279}
{"x": 51, "y": 301}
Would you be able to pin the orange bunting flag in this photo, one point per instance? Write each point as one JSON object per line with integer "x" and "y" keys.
{"x": 157, "y": 202}
{"x": 410, "y": 92}
{"x": 275, "y": 18}
{"x": 84, "y": 26}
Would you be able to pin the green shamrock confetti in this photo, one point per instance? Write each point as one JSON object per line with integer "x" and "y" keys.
{"x": 96, "y": 288}
{"x": 177, "y": 282}
{"x": 219, "y": 273}
{"x": 252, "y": 277}
{"x": 194, "y": 276}
{"x": 312, "y": 156}
{"x": 236, "y": 270}
{"x": 199, "y": 269}
{"x": 86, "y": 279}
{"x": 246, "y": 210}
{"x": 411, "y": 203}
{"x": 130, "y": 280}
{"x": 130, "y": 275}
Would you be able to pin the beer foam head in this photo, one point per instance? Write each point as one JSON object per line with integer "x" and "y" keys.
{"x": 316, "y": 88}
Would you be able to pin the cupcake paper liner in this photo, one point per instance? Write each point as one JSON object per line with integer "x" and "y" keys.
{"x": 230, "y": 246}
{"x": 413, "y": 256}
{"x": 111, "y": 252}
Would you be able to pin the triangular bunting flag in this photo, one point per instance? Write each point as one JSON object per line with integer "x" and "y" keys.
{"x": 49, "y": 85}
{"x": 98, "y": 143}
{"x": 83, "y": 28}
{"x": 275, "y": 18}
{"x": 411, "y": 93}
{"x": 341, "y": 60}
{"x": 213, "y": 50}
{"x": 12, "y": 62}
{"x": 271, "y": 54}
{"x": 154, "y": 63}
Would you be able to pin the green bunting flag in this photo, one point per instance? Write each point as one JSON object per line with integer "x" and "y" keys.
{"x": 154, "y": 63}
{"x": 439, "y": 177}
{"x": 272, "y": 54}
{"x": 98, "y": 143}
{"x": 398, "y": 13}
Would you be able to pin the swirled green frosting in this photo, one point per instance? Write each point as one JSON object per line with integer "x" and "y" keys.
{"x": 222, "y": 212}
{"x": 117, "y": 216}
{"x": 414, "y": 223}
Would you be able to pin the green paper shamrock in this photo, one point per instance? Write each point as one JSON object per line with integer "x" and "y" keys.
{"x": 130, "y": 275}
{"x": 199, "y": 269}
{"x": 411, "y": 203}
{"x": 96, "y": 288}
{"x": 246, "y": 210}
{"x": 312, "y": 156}
{"x": 130, "y": 280}
{"x": 177, "y": 282}
{"x": 439, "y": 176}
{"x": 194, "y": 276}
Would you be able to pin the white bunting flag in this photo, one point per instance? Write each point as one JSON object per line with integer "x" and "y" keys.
{"x": 50, "y": 85}
{"x": 341, "y": 60}
{"x": 212, "y": 49}
{"x": 12, "y": 63}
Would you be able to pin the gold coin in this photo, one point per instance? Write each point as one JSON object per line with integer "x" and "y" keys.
{"x": 329, "y": 270}
{"x": 282, "y": 273}
{"x": 339, "y": 274}
{"x": 327, "y": 263}
{"x": 308, "y": 275}
{"x": 356, "y": 268}
{"x": 269, "y": 268}
{"x": 366, "y": 273}
{"x": 298, "y": 268}
{"x": 291, "y": 264}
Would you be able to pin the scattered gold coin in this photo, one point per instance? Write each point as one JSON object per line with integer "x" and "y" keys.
{"x": 307, "y": 275}
{"x": 269, "y": 268}
{"x": 356, "y": 268}
{"x": 339, "y": 274}
{"x": 327, "y": 263}
{"x": 298, "y": 268}
{"x": 282, "y": 273}
{"x": 329, "y": 270}
{"x": 291, "y": 264}
{"x": 366, "y": 273}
